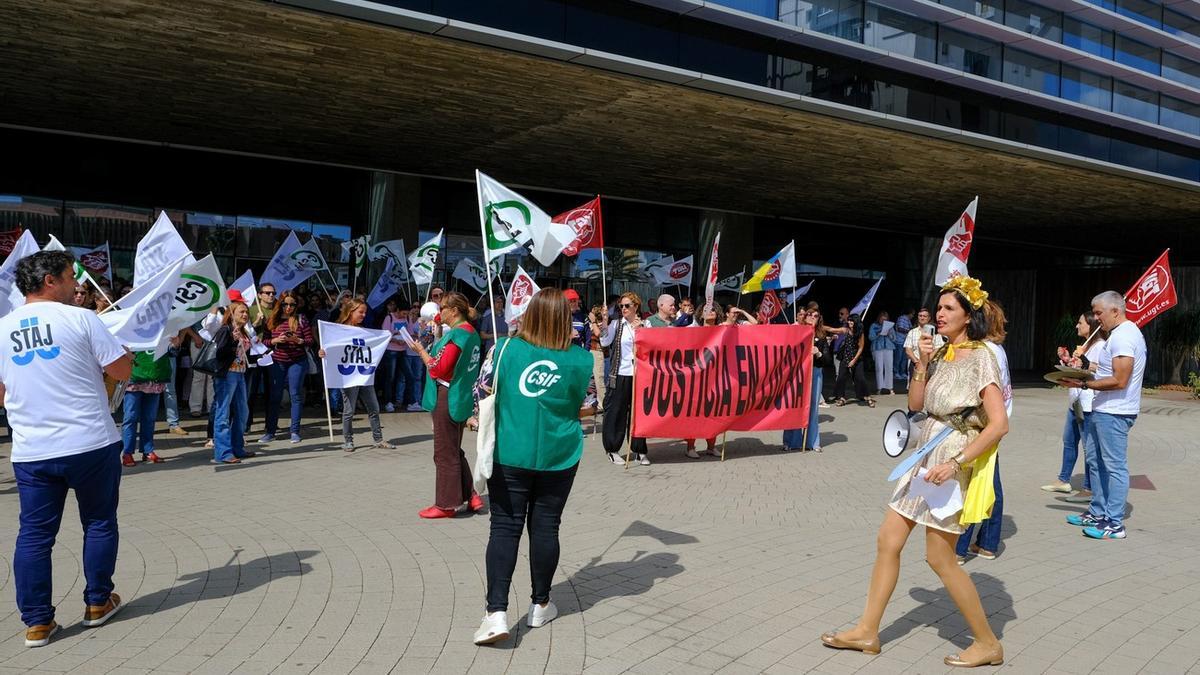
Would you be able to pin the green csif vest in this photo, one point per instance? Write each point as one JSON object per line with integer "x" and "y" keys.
{"x": 461, "y": 400}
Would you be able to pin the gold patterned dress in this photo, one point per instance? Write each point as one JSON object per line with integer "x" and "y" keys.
{"x": 952, "y": 387}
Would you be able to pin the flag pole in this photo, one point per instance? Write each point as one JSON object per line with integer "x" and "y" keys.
{"x": 325, "y": 386}
{"x": 724, "y": 435}
{"x": 603, "y": 281}
{"x": 323, "y": 288}
{"x": 741, "y": 286}
{"x": 88, "y": 276}
{"x": 487, "y": 258}
{"x": 632, "y": 394}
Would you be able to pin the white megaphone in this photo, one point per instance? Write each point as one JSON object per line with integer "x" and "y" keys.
{"x": 900, "y": 428}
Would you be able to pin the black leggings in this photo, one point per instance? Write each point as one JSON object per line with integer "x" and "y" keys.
{"x": 618, "y": 404}
{"x": 520, "y": 496}
{"x": 843, "y": 377}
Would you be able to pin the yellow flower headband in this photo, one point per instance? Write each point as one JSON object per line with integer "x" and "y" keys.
{"x": 969, "y": 288}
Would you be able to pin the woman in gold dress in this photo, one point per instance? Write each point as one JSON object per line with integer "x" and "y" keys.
{"x": 957, "y": 386}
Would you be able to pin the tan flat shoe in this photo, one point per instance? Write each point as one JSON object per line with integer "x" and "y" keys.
{"x": 864, "y": 646}
{"x": 992, "y": 658}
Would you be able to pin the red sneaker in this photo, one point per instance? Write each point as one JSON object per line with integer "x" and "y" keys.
{"x": 127, "y": 460}
{"x": 153, "y": 458}
{"x": 436, "y": 512}
{"x": 476, "y": 503}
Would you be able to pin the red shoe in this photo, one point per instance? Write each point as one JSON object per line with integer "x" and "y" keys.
{"x": 476, "y": 503}
{"x": 153, "y": 458}
{"x": 436, "y": 512}
{"x": 127, "y": 460}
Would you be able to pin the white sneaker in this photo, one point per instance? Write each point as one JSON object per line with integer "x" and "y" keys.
{"x": 615, "y": 458}
{"x": 691, "y": 452}
{"x": 389, "y": 408}
{"x": 415, "y": 407}
{"x": 540, "y": 616}
{"x": 493, "y": 629}
{"x": 643, "y": 459}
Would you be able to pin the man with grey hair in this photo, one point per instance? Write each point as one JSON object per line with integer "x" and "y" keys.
{"x": 1118, "y": 387}
{"x": 666, "y": 312}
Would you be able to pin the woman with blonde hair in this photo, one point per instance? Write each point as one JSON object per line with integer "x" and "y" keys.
{"x": 543, "y": 379}
{"x": 453, "y": 366}
{"x": 229, "y": 406}
{"x": 959, "y": 387}
{"x": 289, "y": 336}
{"x": 618, "y": 400}
{"x": 353, "y": 313}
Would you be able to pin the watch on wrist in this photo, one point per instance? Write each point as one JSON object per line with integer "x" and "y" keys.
{"x": 1083, "y": 385}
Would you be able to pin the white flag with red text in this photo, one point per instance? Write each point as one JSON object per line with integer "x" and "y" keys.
{"x": 956, "y": 246}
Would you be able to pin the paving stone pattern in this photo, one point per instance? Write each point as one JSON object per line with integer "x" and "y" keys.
{"x": 306, "y": 559}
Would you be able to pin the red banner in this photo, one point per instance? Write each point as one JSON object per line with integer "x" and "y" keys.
{"x": 1153, "y": 294}
{"x": 586, "y": 222}
{"x": 8, "y": 240}
{"x": 701, "y": 382}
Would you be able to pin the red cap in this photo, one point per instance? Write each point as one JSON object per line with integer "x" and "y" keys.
{"x": 236, "y": 296}
{"x": 570, "y": 294}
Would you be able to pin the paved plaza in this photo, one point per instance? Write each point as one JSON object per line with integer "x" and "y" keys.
{"x": 306, "y": 559}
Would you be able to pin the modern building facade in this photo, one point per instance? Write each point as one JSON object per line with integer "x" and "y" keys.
{"x": 859, "y": 128}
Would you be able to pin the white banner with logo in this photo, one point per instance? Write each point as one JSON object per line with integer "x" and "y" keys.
{"x": 520, "y": 294}
{"x": 142, "y": 318}
{"x": 200, "y": 289}
{"x": 351, "y": 354}
{"x": 10, "y": 296}
{"x": 158, "y": 250}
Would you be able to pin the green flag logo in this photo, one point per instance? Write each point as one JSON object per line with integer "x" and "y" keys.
{"x": 197, "y": 294}
{"x": 494, "y": 243}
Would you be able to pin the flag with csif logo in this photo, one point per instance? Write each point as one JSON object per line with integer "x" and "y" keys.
{"x": 423, "y": 261}
{"x": 282, "y": 271}
{"x": 520, "y": 294}
{"x": 352, "y": 354}
{"x": 1153, "y": 293}
{"x": 510, "y": 221}
{"x": 956, "y": 246}
{"x": 142, "y": 318}
{"x": 200, "y": 289}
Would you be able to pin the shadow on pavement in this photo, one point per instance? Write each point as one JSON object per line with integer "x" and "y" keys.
{"x": 937, "y": 609}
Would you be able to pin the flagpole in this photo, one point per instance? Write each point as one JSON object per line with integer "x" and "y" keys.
{"x": 487, "y": 261}
{"x": 326, "y": 289}
{"x": 741, "y": 286}
{"x": 325, "y": 386}
{"x": 603, "y": 282}
{"x": 88, "y": 276}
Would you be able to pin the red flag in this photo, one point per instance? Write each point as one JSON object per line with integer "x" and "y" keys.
{"x": 717, "y": 378}
{"x": 9, "y": 239}
{"x": 770, "y": 308}
{"x": 711, "y": 286}
{"x": 1152, "y": 294}
{"x": 586, "y": 222}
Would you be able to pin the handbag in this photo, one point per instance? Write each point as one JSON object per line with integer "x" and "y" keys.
{"x": 485, "y": 439}
{"x": 215, "y": 356}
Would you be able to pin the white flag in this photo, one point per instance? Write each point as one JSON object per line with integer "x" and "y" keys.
{"x": 510, "y": 220}
{"x": 352, "y": 354}
{"x": 392, "y": 251}
{"x": 309, "y": 257}
{"x": 679, "y": 273}
{"x": 142, "y": 319}
{"x": 358, "y": 249}
{"x": 245, "y": 285}
{"x": 282, "y": 272}
{"x": 388, "y": 285}
{"x": 472, "y": 273}
{"x": 200, "y": 289}
{"x": 710, "y": 286}
{"x": 54, "y": 245}
{"x": 159, "y": 249}
{"x": 799, "y": 293}
{"x": 656, "y": 270}
{"x": 732, "y": 282}
{"x": 520, "y": 294}
{"x": 956, "y": 246}
{"x": 10, "y": 296}
{"x": 423, "y": 260}
{"x": 97, "y": 260}
{"x": 862, "y": 306}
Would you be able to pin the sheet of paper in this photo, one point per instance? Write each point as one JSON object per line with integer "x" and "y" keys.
{"x": 265, "y": 360}
{"x": 887, "y": 327}
{"x": 258, "y": 348}
{"x": 404, "y": 335}
{"x": 943, "y": 500}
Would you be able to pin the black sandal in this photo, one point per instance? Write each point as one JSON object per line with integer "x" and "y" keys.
{"x": 840, "y": 402}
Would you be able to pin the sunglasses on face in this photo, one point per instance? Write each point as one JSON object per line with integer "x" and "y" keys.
{"x": 266, "y": 292}
{"x": 289, "y": 304}
{"x": 626, "y": 305}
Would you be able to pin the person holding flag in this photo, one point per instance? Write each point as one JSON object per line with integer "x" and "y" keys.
{"x": 353, "y": 313}
{"x": 453, "y": 367}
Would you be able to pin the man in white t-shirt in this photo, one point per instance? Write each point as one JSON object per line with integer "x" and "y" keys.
{"x": 63, "y": 438}
{"x": 913, "y": 338}
{"x": 1118, "y": 399}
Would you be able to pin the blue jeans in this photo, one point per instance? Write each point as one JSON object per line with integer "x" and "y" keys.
{"x": 414, "y": 379}
{"x": 989, "y": 530}
{"x": 390, "y": 376}
{"x": 42, "y": 489}
{"x": 292, "y": 376}
{"x": 899, "y": 363}
{"x": 170, "y": 396}
{"x": 1072, "y": 436}
{"x": 794, "y": 438}
{"x": 229, "y": 416}
{"x": 1106, "y": 440}
{"x": 141, "y": 412}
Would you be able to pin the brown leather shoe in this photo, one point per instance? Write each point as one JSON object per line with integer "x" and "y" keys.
{"x": 39, "y": 636}
{"x": 864, "y": 646}
{"x": 992, "y": 658}
{"x": 96, "y": 615}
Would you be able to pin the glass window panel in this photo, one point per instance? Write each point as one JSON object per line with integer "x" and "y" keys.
{"x": 901, "y": 33}
{"x": 716, "y": 55}
{"x": 840, "y": 18}
{"x": 41, "y": 216}
{"x": 795, "y": 76}
{"x": 260, "y": 237}
{"x": 842, "y": 86}
{"x": 1086, "y": 87}
{"x": 1030, "y": 131}
{"x": 1033, "y": 19}
{"x": 1132, "y": 154}
{"x": 760, "y": 7}
{"x": 1031, "y": 71}
{"x": 987, "y": 10}
{"x": 1179, "y": 166}
{"x": 1181, "y": 25}
{"x": 1088, "y": 38}
{"x": 209, "y": 232}
{"x": 1083, "y": 143}
{"x": 969, "y": 54}
{"x": 1180, "y": 69}
{"x": 906, "y": 102}
{"x": 91, "y": 224}
{"x": 1135, "y": 102}
{"x": 637, "y": 32}
{"x": 1180, "y": 115}
{"x": 1138, "y": 55}
{"x": 329, "y": 240}
{"x": 1149, "y": 13}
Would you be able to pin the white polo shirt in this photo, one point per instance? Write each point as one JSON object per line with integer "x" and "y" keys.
{"x": 1124, "y": 340}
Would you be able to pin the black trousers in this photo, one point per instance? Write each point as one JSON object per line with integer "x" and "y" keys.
{"x": 524, "y": 498}
{"x": 843, "y": 378}
{"x": 618, "y": 404}
{"x": 258, "y": 391}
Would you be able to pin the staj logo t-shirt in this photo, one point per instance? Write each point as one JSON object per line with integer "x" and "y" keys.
{"x": 51, "y": 366}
